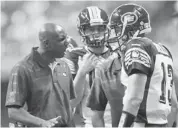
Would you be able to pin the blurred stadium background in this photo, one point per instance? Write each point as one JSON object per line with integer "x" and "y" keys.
{"x": 20, "y": 22}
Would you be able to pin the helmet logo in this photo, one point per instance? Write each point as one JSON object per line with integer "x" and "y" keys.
{"x": 130, "y": 17}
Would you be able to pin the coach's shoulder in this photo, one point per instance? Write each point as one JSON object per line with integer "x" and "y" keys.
{"x": 19, "y": 68}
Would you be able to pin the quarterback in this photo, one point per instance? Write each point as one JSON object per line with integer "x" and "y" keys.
{"x": 148, "y": 68}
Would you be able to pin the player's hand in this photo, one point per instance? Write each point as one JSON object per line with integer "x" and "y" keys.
{"x": 87, "y": 63}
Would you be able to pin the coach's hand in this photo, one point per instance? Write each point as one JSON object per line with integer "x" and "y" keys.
{"x": 48, "y": 124}
{"x": 58, "y": 121}
{"x": 87, "y": 63}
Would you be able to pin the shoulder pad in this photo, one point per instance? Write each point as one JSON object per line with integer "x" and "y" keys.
{"x": 168, "y": 51}
{"x": 140, "y": 41}
{"x": 162, "y": 49}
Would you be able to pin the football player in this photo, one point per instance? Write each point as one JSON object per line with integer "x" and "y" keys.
{"x": 92, "y": 26}
{"x": 147, "y": 66}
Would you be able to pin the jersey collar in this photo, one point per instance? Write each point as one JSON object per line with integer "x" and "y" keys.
{"x": 37, "y": 57}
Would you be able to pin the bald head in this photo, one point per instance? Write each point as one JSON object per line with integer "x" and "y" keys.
{"x": 52, "y": 40}
{"x": 51, "y": 31}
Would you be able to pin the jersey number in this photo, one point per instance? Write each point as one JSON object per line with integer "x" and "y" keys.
{"x": 169, "y": 74}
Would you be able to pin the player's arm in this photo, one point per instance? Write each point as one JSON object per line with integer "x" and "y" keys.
{"x": 71, "y": 57}
{"x": 16, "y": 97}
{"x": 86, "y": 64}
{"x": 137, "y": 64}
{"x": 175, "y": 94}
{"x": 136, "y": 86}
{"x": 97, "y": 101}
{"x": 174, "y": 104}
{"x": 79, "y": 83}
{"x": 98, "y": 118}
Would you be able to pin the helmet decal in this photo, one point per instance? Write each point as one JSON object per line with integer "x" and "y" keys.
{"x": 130, "y": 17}
{"x": 95, "y": 15}
{"x": 94, "y": 12}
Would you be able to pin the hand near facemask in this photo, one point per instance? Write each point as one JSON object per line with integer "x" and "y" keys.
{"x": 87, "y": 63}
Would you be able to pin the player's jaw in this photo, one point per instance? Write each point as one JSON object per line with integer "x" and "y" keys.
{"x": 97, "y": 50}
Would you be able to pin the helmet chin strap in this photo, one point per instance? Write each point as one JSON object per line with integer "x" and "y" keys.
{"x": 136, "y": 34}
{"x": 119, "y": 37}
{"x": 124, "y": 26}
{"x": 122, "y": 34}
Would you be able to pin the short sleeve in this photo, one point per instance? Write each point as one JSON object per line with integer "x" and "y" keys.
{"x": 137, "y": 58}
{"x": 97, "y": 99}
{"x": 17, "y": 88}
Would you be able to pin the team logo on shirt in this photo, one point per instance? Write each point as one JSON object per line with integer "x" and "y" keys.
{"x": 11, "y": 97}
{"x": 64, "y": 74}
{"x": 137, "y": 55}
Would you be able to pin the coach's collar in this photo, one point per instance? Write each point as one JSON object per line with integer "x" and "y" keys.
{"x": 37, "y": 58}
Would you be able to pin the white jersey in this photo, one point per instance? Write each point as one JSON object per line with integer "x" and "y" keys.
{"x": 154, "y": 60}
{"x": 160, "y": 88}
